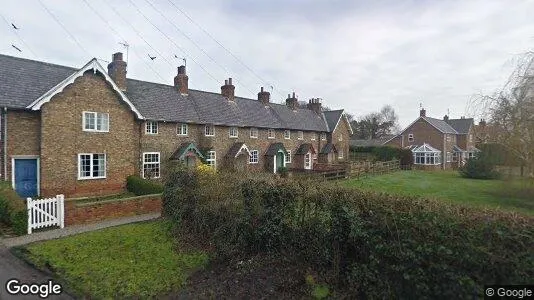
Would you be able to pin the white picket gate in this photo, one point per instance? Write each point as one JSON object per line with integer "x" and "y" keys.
{"x": 46, "y": 212}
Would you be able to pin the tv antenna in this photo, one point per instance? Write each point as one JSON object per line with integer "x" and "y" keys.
{"x": 127, "y": 46}
{"x": 183, "y": 58}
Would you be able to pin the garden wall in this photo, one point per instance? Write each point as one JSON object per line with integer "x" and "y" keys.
{"x": 80, "y": 212}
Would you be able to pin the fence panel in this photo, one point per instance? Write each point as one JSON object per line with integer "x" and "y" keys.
{"x": 46, "y": 212}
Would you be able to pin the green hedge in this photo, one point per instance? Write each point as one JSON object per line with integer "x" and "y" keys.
{"x": 13, "y": 209}
{"x": 386, "y": 153}
{"x": 365, "y": 245}
{"x": 140, "y": 186}
{"x": 482, "y": 166}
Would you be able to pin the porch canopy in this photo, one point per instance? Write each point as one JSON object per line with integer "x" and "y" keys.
{"x": 328, "y": 148}
{"x": 426, "y": 155}
{"x": 185, "y": 150}
{"x": 274, "y": 148}
{"x": 305, "y": 148}
{"x": 237, "y": 149}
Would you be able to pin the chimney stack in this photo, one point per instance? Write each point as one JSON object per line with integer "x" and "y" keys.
{"x": 181, "y": 81}
{"x": 446, "y": 118}
{"x": 482, "y": 122}
{"x": 117, "y": 70}
{"x": 292, "y": 101}
{"x": 264, "y": 97}
{"x": 422, "y": 112}
{"x": 315, "y": 105}
{"x": 228, "y": 89}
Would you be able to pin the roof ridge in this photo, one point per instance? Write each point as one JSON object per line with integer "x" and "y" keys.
{"x": 39, "y": 61}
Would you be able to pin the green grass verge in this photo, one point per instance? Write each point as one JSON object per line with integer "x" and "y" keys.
{"x": 136, "y": 260}
{"x": 513, "y": 195}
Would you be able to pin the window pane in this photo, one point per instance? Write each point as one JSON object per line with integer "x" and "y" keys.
{"x": 89, "y": 120}
{"x": 85, "y": 165}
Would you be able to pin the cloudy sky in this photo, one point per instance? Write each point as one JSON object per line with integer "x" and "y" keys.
{"x": 357, "y": 55}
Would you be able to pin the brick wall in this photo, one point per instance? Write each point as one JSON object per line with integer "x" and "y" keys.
{"x": 62, "y": 139}
{"x": 23, "y": 135}
{"x": 82, "y": 213}
{"x": 340, "y": 138}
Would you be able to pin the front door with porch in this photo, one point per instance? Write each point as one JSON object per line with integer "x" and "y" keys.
{"x": 26, "y": 177}
{"x": 279, "y": 161}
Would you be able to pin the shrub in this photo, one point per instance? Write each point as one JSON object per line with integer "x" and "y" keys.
{"x": 366, "y": 245}
{"x": 481, "y": 166}
{"x": 13, "y": 209}
{"x": 140, "y": 186}
{"x": 386, "y": 153}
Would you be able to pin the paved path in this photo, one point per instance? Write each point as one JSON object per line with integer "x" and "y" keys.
{"x": 12, "y": 267}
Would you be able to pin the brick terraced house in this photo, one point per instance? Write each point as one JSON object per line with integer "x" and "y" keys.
{"x": 83, "y": 131}
{"x": 437, "y": 143}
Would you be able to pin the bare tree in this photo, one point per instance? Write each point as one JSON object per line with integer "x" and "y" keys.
{"x": 511, "y": 111}
{"x": 377, "y": 124}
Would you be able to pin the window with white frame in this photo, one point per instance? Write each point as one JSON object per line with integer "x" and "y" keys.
{"x": 313, "y": 136}
{"x": 470, "y": 138}
{"x": 410, "y": 137}
{"x": 151, "y": 165}
{"x": 253, "y": 158}
{"x": 254, "y": 133}
{"x": 271, "y": 134}
{"x": 95, "y": 121}
{"x": 91, "y": 165}
{"x": 449, "y": 156}
{"x": 426, "y": 155}
{"x": 287, "y": 134}
{"x": 340, "y": 138}
{"x": 233, "y": 132}
{"x": 448, "y": 137}
{"x": 181, "y": 129}
{"x": 209, "y": 130}
{"x": 323, "y": 136}
{"x": 288, "y": 157}
{"x": 211, "y": 159}
{"x": 307, "y": 161}
{"x": 151, "y": 127}
{"x": 455, "y": 156}
{"x": 300, "y": 135}
{"x": 340, "y": 153}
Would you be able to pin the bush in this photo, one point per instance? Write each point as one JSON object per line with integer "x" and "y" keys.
{"x": 140, "y": 186}
{"x": 366, "y": 245}
{"x": 481, "y": 166}
{"x": 386, "y": 153}
{"x": 13, "y": 209}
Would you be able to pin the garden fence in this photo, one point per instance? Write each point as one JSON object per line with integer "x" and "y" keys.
{"x": 46, "y": 212}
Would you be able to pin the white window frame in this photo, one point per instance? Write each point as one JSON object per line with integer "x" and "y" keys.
{"x": 151, "y": 163}
{"x": 308, "y": 160}
{"x": 80, "y": 177}
{"x": 340, "y": 138}
{"x": 149, "y": 127}
{"x": 253, "y": 133}
{"x": 426, "y": 158}
{"x": 211, "y": 161}
{"x": 449, "y": 157}
{"x": 288, "y": 155}
{"x": 340, "y": 153}
{"x": 207, "y": 132}
{"x": 410, "y": 137}
{"x": 313, "y": 136}
{"x": 180, "y": 129}
{"x": 233, "y": 132}
{"x": 300, "y": 135}
{"x": 448, "y": 137}
{"x": 287, "y": 134}
{"x": 271, "y": 134}
{"x": 96, "y": 116}
{"x": 323, "y": 136}
{"x": 254, "y": 157}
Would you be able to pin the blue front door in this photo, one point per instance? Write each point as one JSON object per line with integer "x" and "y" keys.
{"x": 26, "y": 177}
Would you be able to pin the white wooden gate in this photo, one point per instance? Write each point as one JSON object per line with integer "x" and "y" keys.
{"x": 46, "y": 212}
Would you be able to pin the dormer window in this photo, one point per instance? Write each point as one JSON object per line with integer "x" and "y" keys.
{"x": 151, "y": 127}
{"x": 209, "y": 130}
{"x": 233, "y": 132}
{"x": 95, "y": 121}
{"x": 300, "y": 135}
{"x": 287, "y": 134}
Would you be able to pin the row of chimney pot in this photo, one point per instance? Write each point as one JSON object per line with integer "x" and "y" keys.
{"x": 117, "y": 71}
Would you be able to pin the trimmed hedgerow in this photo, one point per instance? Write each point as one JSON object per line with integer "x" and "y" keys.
{"x": 367, "y": 245}
{"x": 13, "y": 209}
{"x": 140, "y": 186}
{"x": 386, "y": 153}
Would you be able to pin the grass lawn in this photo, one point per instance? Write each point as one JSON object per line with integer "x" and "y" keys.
{"x": 136, "y": 260}
{"x": 515, "y": 195}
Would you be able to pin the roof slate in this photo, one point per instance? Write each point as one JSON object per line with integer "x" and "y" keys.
{"x": 22, "y": 81}
{"x": 329, "y": 148}
{"x": 332, "y": 118}
{"x": 273, "y": 149}
{"x": 462, "y": 126}
{"x": 305, "y": 148}
{"x": 440, "y": 125}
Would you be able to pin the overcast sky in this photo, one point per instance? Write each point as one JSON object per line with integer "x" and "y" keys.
{"x": 353, "y": 55}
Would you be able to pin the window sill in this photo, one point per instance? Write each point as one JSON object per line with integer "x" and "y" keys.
{"x": 90, "y": 178}
{"x": 95, "y": 131}
{"x": 253, "y": 137}
{"x": 271, "y": 138}
{"x": 209, "y": 135}
{"x": 233, "y": 137}
{"x": 181, "y": 134}
{"x": 146, "y": 133}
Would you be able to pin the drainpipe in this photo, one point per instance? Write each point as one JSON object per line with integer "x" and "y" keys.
{"x": 5, "y": 143}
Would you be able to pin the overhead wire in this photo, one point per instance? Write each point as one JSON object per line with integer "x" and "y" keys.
{"x": 19, "y": 37}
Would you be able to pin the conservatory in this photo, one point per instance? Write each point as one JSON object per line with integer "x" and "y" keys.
{"x": 426, "y": 155}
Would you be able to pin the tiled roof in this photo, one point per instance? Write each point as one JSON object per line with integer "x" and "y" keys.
{"x": 22, "y": 81}
{"x": 305, "y": 148}
{"x": 332, "y": 118}
{"x": 462, "y": 126}
{"x": 440, "y": 125}
{"x": 328, "y": 148}
{"x": 274, "y": 148}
